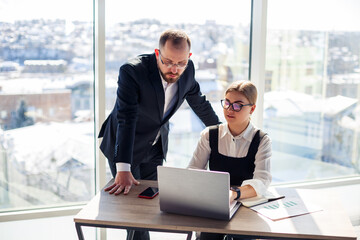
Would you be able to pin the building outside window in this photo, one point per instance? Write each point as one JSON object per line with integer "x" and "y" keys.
{"x": 311, "y": 108}
{"x": 46, "y": 145}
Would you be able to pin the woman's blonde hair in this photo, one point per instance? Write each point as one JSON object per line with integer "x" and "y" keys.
{"x": 245, "y": 87}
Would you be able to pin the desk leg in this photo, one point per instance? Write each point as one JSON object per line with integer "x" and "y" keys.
{"x": 130, "y": 235}
{"x": 79, "y": 231}
{"x": 189, "y": 236}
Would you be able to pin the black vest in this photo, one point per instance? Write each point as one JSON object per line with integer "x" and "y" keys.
{"x": 240, "y": 169}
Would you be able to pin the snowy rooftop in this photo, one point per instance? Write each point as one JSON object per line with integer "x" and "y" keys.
{"x": 291, "y": 103}
{"x": 33, "y": 146}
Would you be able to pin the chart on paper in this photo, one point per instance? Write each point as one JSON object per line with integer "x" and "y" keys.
{"x": 276, "y": 205}
{"x": 285, "y": 208}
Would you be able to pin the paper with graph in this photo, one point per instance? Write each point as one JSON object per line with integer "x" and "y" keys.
{"x": 285, "y": 208}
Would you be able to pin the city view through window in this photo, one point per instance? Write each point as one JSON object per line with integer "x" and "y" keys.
{"x": 46, "y": 105}
{"x": 312, "y": 90}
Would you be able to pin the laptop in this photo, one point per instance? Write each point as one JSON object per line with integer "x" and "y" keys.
{"x": 195, "y": 192}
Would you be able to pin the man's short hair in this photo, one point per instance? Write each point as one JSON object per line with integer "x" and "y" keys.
{"x": 175, "y": 36}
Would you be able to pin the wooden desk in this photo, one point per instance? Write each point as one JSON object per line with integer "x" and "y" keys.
{"x": 131, "y": 212}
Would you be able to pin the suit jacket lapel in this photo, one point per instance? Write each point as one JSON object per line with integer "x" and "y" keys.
{"x": 157, "y": 84}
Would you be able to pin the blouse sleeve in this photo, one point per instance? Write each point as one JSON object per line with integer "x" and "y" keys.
{"x": 262, "y": 176}
{"x": 201, "y": 154}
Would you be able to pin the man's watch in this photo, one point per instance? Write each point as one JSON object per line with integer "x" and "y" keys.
{"x": 238, "y": 192}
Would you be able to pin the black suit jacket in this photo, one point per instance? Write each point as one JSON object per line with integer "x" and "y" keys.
{"x": 129, "y": 131}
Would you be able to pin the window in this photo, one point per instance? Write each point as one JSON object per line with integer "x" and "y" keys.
{"x": 311, "y": 108}
{"x": 46, "y": 152}
{"x": 220, "y": 45}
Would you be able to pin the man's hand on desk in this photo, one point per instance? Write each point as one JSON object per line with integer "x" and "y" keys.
{"x": 123, "y": 182}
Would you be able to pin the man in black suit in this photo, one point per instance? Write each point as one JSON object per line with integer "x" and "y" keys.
{"x": 151, "y": 87}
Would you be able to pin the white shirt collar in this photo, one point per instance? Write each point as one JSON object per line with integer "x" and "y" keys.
{"x": 246, "y": 134}
{"x": 165, "y": 83}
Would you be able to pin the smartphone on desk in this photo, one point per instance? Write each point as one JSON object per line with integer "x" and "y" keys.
{"x": 149, "y": 193}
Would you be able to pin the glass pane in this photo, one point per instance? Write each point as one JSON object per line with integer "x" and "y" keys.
{"x": 312, "y": 94}
{"x": 46, "y": 103}
{"x": 220, "y": 47}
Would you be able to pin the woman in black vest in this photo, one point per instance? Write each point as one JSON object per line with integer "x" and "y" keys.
{"x": 237, "y": 147}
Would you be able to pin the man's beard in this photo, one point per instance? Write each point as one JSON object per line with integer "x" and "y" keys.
{"x": 170, "y": 79}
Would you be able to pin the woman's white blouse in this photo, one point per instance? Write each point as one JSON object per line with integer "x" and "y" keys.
{"x": 237, "y": 146}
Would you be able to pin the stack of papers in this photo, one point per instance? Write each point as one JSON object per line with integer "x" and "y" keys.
{"x": 280, "y": 203}
{"x": 285, "y": 208}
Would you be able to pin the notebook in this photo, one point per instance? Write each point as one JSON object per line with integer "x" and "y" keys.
{"x": 267, "y": 197}
{"x": 193, "y": 192}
